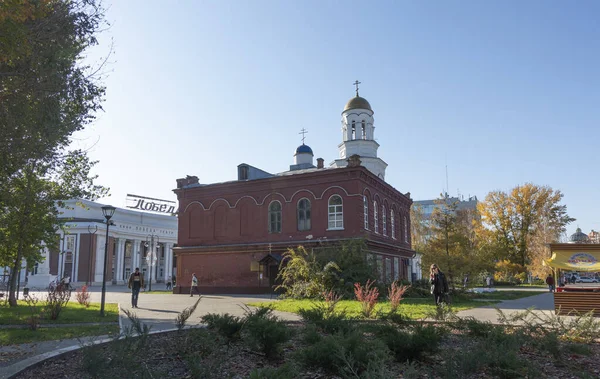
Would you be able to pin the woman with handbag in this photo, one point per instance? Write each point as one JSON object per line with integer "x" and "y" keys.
{"x": 439, "y": 285}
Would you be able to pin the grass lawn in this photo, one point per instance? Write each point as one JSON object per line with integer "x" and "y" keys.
{"x": 412, "y": 308}
{"x": 18, "y": 336}
{"x": 72, "y": 313}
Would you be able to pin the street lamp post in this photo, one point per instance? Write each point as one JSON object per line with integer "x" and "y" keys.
{"x": 95, "y": 228}
{"x": 151, "y": 256}
{"x": 62, "y": 257}
{"x": 108, "y": 211}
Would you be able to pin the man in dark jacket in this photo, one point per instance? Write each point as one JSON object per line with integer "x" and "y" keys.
{"x": 550, "y": 283}
{"x": 136, "y": 282}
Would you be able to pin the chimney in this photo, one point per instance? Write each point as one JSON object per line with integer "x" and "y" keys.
{"x": 184, "y": 182}
{"x": 319, "y": 162}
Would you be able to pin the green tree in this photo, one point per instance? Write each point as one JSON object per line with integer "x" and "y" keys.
{"x": 31, "y": 219}
{"x": 418, "y": 228}
{"x": 350, "y": 257}
{"x": 524, "y": 219}
{"x": 452, "y": 241}
{"x": 302, "y": 276}
{"x": 46, "y": 94}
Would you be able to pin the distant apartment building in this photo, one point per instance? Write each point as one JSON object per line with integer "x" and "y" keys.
{"x": 427, "y": 206}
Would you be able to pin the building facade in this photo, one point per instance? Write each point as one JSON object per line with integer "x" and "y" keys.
{"x": 131, "y": 236}
{"x": 232, "y": 234}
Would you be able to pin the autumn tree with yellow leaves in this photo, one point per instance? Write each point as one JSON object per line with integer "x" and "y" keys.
{"x": 522, "y": 221}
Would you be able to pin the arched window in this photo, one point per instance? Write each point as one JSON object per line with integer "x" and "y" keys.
{"x": 393, "y": 225}
{"x": 384, "y": 219}
{"x": 364, "y": 129}
{"x": 303, "y": 214}
{"x": 335, "y": 213}
{"x": 366, "y": 211}
{"x": 375, "y": 217}
{"x": 405, "y": 230}
{"x": 275, "y": 217}
{"x": 353, "y": 130}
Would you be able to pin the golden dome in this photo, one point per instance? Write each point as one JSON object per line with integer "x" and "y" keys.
{"x": 357, "y": 102}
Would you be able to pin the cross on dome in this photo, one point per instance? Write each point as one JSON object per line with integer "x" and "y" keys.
{"x": 303, "y": 132}
{"x": 356, "y": 83}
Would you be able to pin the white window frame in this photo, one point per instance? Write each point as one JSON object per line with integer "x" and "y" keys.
{"x": 384, "y": 219}
{"x": 366, "y": 211}
{"x": 375, "y": 217}
{"x": 393, "y": 224}
{"x": 335, "y": 217}
{"x": 280, "y": 221}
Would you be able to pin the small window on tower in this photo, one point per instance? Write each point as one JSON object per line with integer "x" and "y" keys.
{"x": 364, "y": 129}
{"x": 353, "y": 130}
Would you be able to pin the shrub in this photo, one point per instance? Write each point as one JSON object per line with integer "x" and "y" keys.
{"x": 328, "y": 322}
{"x": 287, "y": 371}
{"x": 56, "y": 299}
{"x": 203, "y": 354}
{"x": 367, "y": 296}
{"x": 397, "y": 318}
{"x": 265, "y": 332}
{"x": 344, "y": 355}
{"x": 226, "y": 325}
{"x": 442, "y": 312}
{"x": 331, "y": 299}
{"x": 395, "y": 294}
{"x": 409, "y": 346}
{"x": 83, "y": 296}
{"x": 34, "y": 312}
{"x": 474, "y": 327}
{"x": 182, "y": 317}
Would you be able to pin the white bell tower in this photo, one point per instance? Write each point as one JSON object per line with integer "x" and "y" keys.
{"x": 358, "y": 136}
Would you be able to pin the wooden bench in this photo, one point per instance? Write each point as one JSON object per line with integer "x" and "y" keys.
{"x": 574, "y": 303}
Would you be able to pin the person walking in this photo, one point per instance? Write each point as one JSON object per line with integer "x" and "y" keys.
{"x": 136, "y": 282}
{"x": 439, "y": 285}
{"x": 169, "y": 283}
{"x": 194, "y": 286}
{"x": 550, "y": 282}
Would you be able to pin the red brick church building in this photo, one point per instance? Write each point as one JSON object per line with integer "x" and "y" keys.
{"x": 232, "y": 234}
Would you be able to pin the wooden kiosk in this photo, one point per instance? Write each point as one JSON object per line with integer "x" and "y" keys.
{"x": 576, "y": 298}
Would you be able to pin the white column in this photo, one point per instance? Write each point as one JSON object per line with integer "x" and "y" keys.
{"x": 120, "y": 260}
{"x": 167, "y": 262}
{"x": 135, "y": 253}
{"x": 75, "y": 258}
{"x": 99, "y": 258}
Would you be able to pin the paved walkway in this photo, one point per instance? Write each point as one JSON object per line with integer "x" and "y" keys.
{"x": 160, "y": 310}
{"x": 543, "y": 304}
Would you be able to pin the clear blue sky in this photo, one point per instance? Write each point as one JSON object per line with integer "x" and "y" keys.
{"x": 503, "y": 92}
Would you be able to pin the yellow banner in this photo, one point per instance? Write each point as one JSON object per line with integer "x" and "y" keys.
{"x": 575, "y": 260}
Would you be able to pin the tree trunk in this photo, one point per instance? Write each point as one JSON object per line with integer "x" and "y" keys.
{"x": 14, "y": 276}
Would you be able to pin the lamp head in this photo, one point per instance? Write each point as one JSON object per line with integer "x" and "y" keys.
{"x": 108, "y": 211}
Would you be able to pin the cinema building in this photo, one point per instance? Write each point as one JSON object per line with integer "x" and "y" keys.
{"x": 132, "y": 234}
{"x": 233, "y": 234}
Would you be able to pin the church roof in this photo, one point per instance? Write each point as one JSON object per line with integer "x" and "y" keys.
{"x": 579, "y": 237}
{"x": 357, "y": 102}
{"x": 304, "y": 149}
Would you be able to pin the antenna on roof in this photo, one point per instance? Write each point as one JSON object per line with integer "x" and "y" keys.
{"x": 447, "y": 187}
